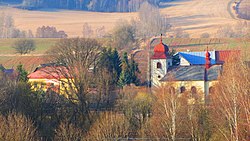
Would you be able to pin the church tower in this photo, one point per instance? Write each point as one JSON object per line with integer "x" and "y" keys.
{"x": 160, "y": 62}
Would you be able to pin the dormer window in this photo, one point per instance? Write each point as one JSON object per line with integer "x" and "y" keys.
{"x": 159, "y": 66}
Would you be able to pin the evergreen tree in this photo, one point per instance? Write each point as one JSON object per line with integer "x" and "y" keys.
{"x": 22, "y": 74}
{"x": 125, "y": 74}
{"x": 110, "y": 60}
{"x": 116, "y": 64}
{"x": 129, "y": 70}
{"x": 133, "y": 70}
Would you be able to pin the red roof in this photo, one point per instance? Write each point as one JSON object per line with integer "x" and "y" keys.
{"x": 50, "y": 72}
{"x": 161, "y": 47}
{"x": 224, "y": 55}
{"x": 159, "y": 55}
{"x": 160, "y": 51}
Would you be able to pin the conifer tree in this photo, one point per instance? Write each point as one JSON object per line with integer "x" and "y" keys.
{"x": 129, "y": 70}
{"x": 125, "y": 74}
{"x": 116, "y": 63}
{"x": 110, "y": 60}
{"x": 22, "y": 74}
{"x": 133, "y": 70}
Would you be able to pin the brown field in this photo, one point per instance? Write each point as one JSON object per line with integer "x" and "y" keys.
{"x": 29, "y": 62}
{"x": 69, "y": 21}
{"x": 194, "y": 16}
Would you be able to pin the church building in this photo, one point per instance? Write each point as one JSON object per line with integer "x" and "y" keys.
{"x": 196, "y": 70}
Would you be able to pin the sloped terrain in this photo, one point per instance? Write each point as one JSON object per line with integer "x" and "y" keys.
{"x": 194, "y": 16}
{"x": 200, "y": 16}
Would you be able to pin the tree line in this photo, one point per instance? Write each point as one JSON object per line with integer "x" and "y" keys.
{"x": 9, "y": 30}
{"x": 98, "y": 107}
{"x": 90, "y": 5}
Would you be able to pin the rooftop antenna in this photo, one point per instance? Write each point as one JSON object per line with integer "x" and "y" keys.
{"x": 161, "y": 37}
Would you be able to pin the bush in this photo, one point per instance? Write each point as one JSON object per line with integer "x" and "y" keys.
{"x": 110, "y": 126}
{"x": 17, "y": 127}
{"x": 68, "y": 132}
{"x": 205, "y": 35}
{"x": 50, "y": 32}
{"x": 24, "y": 46}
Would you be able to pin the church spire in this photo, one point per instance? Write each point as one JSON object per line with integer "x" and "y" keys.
{"x": 208, "y": 63}
{"x": 161, "y": 38}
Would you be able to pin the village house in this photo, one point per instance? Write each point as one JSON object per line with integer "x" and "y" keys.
{"x": 53, "y": 77}
{"x": 10, "y": 73}
{"x": 49, "y": 77}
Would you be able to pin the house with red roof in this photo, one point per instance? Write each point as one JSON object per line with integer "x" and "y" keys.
{"x": 49, "y": 77}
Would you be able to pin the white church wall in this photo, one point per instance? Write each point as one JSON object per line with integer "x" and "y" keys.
{"x": 158, "y": 73}
{"x": 188, "y": 84}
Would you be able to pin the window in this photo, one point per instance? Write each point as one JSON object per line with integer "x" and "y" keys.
{"x": 182, "y": 89}
{"x": 158, "y": 65}
{"x": 194, "y": 93}
{"x": 35, "y": 85}
{"x": 211, "y": 90}
{"x": 193, "y": 90}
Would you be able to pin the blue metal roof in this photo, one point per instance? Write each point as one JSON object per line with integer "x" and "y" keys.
{"x": 198, "y": 58}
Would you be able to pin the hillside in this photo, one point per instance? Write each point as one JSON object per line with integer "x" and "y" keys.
{"x": 194, "y": 16}
{"x": 88, "y": 5}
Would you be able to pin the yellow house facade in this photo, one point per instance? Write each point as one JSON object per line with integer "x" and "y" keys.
{"x": 50, "y": 78}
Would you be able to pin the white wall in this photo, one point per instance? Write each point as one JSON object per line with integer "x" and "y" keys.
{"x": 157, "y": 73}
{"x": 184, "y": 62}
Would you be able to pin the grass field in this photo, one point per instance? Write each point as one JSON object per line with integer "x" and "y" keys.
{"x": 194, "y": 16}
{"x": 42, "y": 45}
{"x": 10, "y": 59}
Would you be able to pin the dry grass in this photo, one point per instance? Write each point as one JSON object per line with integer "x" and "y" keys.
{"x": 69, "y": 21}
{"x": 195, "y": 16}
{"x": 199, "y": 16}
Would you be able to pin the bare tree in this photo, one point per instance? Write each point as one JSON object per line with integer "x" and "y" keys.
{"x": 100, "y": 32}
{"x": 87, "y": 31}
{"x": 17, "y": 127}
{"x": 151, "y": 22}
{"x": 169, "y": 115}
{"x": 68, "y": 132}
{"x": 124, "y": 35}
{"x": 231, "y": 101}
{"x": 78, "y": 58}
{"x": 30, "y": 34}
{"x": 177, "y": 116}
{"x": 6, "y": 25}
{"x": 110, "y": 126}
{"x": 50, "y": 32}
{"x": 24, "y": 46}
